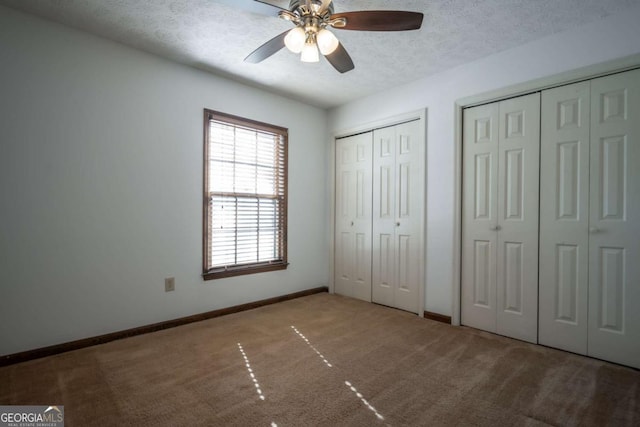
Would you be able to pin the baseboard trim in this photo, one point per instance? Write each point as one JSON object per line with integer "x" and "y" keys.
{"x": 38, "y": 353}
{"x": 437, "y": 317}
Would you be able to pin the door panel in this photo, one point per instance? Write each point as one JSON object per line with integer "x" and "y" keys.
{"x": 410, "y": 178}
{"x": 479, "y": 221}
{"x": 483, "y": 182}
{"x": 568, "y": 170}
{"x": 398, "y": 202}
{"x": 614, "y": 228}
{"x": 564, "y": 217}
{"x": 613, "y": 177}
{"x": 386, "y": 191}
{"x": 514, "y": 180}
{"x": 386, "y": 265}
{"x": 518, "y": 204}
{"x": 405, "y": 275}
{"x": 404, "y": 190}
{"x": 500, "y": 217}
{"x": 514, "y": 280}
{"x": 384, "y": 272}
{"x": 566, "y": 290}
{"x": 353, "y": 216}
{"x": 483, "y": 274}
{"x": 611, "y": 290}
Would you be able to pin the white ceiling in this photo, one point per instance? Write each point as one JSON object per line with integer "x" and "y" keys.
{"x": 211, "y": 35}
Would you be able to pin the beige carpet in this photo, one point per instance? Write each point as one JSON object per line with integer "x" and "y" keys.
{"x": 345, "y": 363}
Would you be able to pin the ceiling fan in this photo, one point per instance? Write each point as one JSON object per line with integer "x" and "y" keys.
{"x": 312, "y": 20}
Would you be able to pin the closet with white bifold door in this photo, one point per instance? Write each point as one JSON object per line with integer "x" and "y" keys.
{"x": 379, "y": 215}
{"x": 499, "y": 288}
{"x": 590, "y": 218}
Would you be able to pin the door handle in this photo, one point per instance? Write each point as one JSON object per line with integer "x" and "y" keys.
{"x": 495, "y": 228}
{"x": 398, "y": 224}
{"x": 352, "y": 223}
{"x": 594, "y": 230}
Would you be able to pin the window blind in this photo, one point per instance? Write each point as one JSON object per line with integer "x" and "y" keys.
{"x": 245, "y": 191}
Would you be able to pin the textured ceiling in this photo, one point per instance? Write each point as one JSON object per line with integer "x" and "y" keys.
{"x": 216, "y": 36}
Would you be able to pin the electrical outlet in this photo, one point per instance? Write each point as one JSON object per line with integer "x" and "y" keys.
{"x": 169, "y": 284}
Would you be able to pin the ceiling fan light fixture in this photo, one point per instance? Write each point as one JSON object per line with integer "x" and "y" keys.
{"x": 327, "y": 42}
{"x": 295, "y": 40}
{"x": 310, "y": 36}
{"x": 310, "y": 52}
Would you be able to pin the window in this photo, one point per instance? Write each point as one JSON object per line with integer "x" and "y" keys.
{"x": 245, "y": 200}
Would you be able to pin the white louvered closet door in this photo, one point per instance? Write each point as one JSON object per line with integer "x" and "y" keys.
{"x": 614, "y": 219}
{"x": 352, "y": 264}
{"x": 398, "y": 200}
{"x": 501, "y": 143}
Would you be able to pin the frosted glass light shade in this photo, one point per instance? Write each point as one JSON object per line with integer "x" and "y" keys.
{"x": 310, "y": 53}
{"x": 327, "y": 42}
{"x": 294, "y": 40}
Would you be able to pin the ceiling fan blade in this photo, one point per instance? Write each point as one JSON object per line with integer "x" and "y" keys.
{"x": 340, "y": 59}
{"x": 380, "y": 20}
{"x": 255, "y": 6}
{"x": 324, "y": 6}
{"x": 267, "y": 49}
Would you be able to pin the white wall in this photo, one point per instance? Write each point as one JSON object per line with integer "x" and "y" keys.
{"x": 101, "y": 187}
{"x": 614, "y": 37}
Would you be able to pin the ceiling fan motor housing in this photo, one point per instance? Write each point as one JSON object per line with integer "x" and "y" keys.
{"x": 300, "y": 5}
